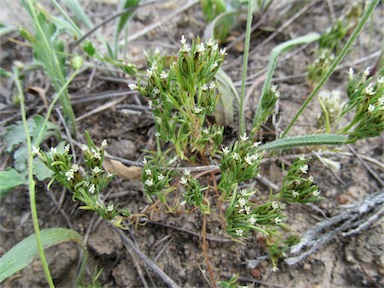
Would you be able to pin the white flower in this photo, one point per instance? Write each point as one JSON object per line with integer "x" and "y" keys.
{"x": 275, "y": 205}
{"x": 215, "y": 47}
{"x": 153, "y": 66}
{"x": 316, "y": 193}
{"x": 163, "y": 75}
{"x": 210, "y": 42}
{"x": 247, "y": 209}
{"x": 96, "y": 155}
{"x": 183, "y": 180}
{"x": 253, "y": 219}
{"x": 350, "y": 73}
{"x": 157, "y": 134}
{"x": 109, "y": 174}
{"x": 158, "y": 119}
{"x": 185, "y": 48}
{"x": 145, "y": 161}
{"x": 183, "y": 40}
{"x": 204, "y": 87}
{"x": 249, "y": 159}
{"x": 149, "y": 73}
{"x": 310, "y": 179}
{"x": 150, "y": 104}
{"x": 295, "y": 194}
{"x": 66, "y": 148}
{"x": 223, "y": 51}
{"x": 257, "y": 144}
{"x": 148, "y": 172}
{"x": 156, "y": 91}
{"x": 302, "y": 157}
{"x": 274, "y": 269}
{"x": 304, "y": 168}
{"x": 104, "y": 143}
{"x": 149, "y": 182}
{"x": 236, "y": 156}
{"x": 242, "y": 202}
{"x": 244, "y": 137}
{"x": 239, "y": 232}
{"x": 35, "y": 150}
{"x": 92, "y": 189}
{"x": 214, "y": 65}
{"x": 200, "y": 48}
{"x": 53, "y": 150}
{"x": 225, "y": 150}
{"x": 160, "y": 177}
{"x": 367, "y": 72}
{"x": 84, "y": 147}
{"x": 380, "y": 80}
{"x": 187, "y": 172}
{"x": 69, "y": 174}
{"x": 369, "y": 89}
{"x": 212, "y": 85}
{"x": 243, "y": 192}
{"x": 75, "y": 167}
{"x": 198, "y": 110}
{"x": 133, "y": 86}
{"x": 205, "y": 130}
{"x": 182, "y": 203}
{"x": 110, "y": 208}
{"x": 96, "y": 170}
{"x": 371, "y": 108}
{"x": 278, "y": 220}
{"x": 380, "y": 101}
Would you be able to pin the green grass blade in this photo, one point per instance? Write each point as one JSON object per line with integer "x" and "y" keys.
{"x": 305, "y": 140}
{"x": 23, "y": 253}
{"x": 338, "y": 59}
{"x": 282, "y": 48}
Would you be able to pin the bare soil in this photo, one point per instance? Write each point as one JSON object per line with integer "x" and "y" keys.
{"x": 173, "y": 241}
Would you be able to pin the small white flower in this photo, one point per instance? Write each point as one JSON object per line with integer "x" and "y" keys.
{"x": 200, "y": 48}
{"x": 84, "y": 147}
{"x": 187, "y": 172}
{"x": 239, "y": 232}
{"x": 145, "y": 161}
{"x": 104, "y": 143}
{"x": 210, "y": 42}
{"x": 163, "y": 75}
{"x": 253, "y": 219}
{"x": 223, "y": 51}
{"x": 183, "y": 40}
{"x": 215, "y": 47}
{"x": 92, "y": 189}
{"x": 183, "y": 180}
{"x": 185, "y": 48}
{"x": 257, "y": 144}
{"x": 214, "y": 65}
{"x": 380, "y": 80}
{"x": 182, "y": 203}
{"x": 244, "y": 137}
{"x": 109, "y": 174}
{"x": 275, "y": 205}
{"x": 367, "y": 72}
{"x": 295, "y": 194}
{"x": 153, "y": 66}
{"x": 156, "y": 91}
{"x": 302, "y": 157}
{"x": 249, "y": 160}
{"x": 205, "y": 130}
{"x": 150, "y": 104}
{"x": 160, "y": 177}
{"x": 243, "y": 192}
{"x": 304, "y": 168}
{"x": 35, "y": 150}
{"x": 274, "y": 88}
{"x": 369, "y": 90}
{"x": 278, "y": 220}
{"x": 247, "y": 209}
{"x": 110, "y": 208}
{"x": 350, "y": 73}
{"x": 198, "y": 110}
{"x": 225, "y": 150}
{"x": 371, "y": 108}
{"x": 96, "y": 170}
{"x": 66, "y": 148}
{"x": 380, "y": 101}
{"x": 149, "y": 73}
{"x": 75, "y": 167}
{"x": 53, "y": 150}
{"x": 274, "y": 269}
{"x": 236, "y": 156}
{"x": 149, "y": 182}
{"x": 212, "y": 85}
{"x": 157, "y": 134}
{"x": 133, "y": 86}
{"x": 204, "y": 87}
{"x": 242, "y": 202}
{"x": 316, "y": 193}
{"x": 158, "y": 119}
{"x": 148, "y": 172}
{"x": 69, "y": 174}
{"x": 310, "y": 179}
{"x": 96, "y": 155}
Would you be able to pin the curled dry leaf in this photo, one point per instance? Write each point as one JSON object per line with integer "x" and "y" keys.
{"x": 122, "y": 171}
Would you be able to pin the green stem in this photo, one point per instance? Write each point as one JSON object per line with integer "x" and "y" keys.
{"x": 31, "y": 185}
{"x": 338, "y": 59}
{"x": 245, "y": 66}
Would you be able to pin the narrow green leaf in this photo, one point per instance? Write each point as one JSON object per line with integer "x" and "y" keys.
{"x": 305, "y": 140}
{"x": 23, "y": 253}
{"x": 125, "y": 4}
{"x": 9, "y": 180}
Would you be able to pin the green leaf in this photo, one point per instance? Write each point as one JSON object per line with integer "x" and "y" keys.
{"x": 89, "y": 48}
{"x": 40, "y": 170}
{"x": 10, "y": 179}
{"x": 5, "y": 73}
{"x": 125, "y": 4}
{"x": 15, "y": 134}
{"x": 23, "y": 253}
{"x": 6, "y": 29}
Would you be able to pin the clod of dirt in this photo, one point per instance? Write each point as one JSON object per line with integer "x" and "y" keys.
{"x": 105, "y": 241}
{"x": 122, "y": 148}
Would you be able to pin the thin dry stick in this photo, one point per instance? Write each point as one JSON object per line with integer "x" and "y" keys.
{"x": 129, "y": 243}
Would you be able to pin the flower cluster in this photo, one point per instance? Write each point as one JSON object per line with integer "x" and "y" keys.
{"x": 332, "y": 106}
{"x": 86, "y": 184}
{"x": 182, "y": 92}
{"x": 298, "y": 187}
{"x": 270, "y": 100}
{"x": 194, "y": 193}
{"x": 243, "y": 216}
{"x": 366, "y": 97}
{"x": 239, "y": 163}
